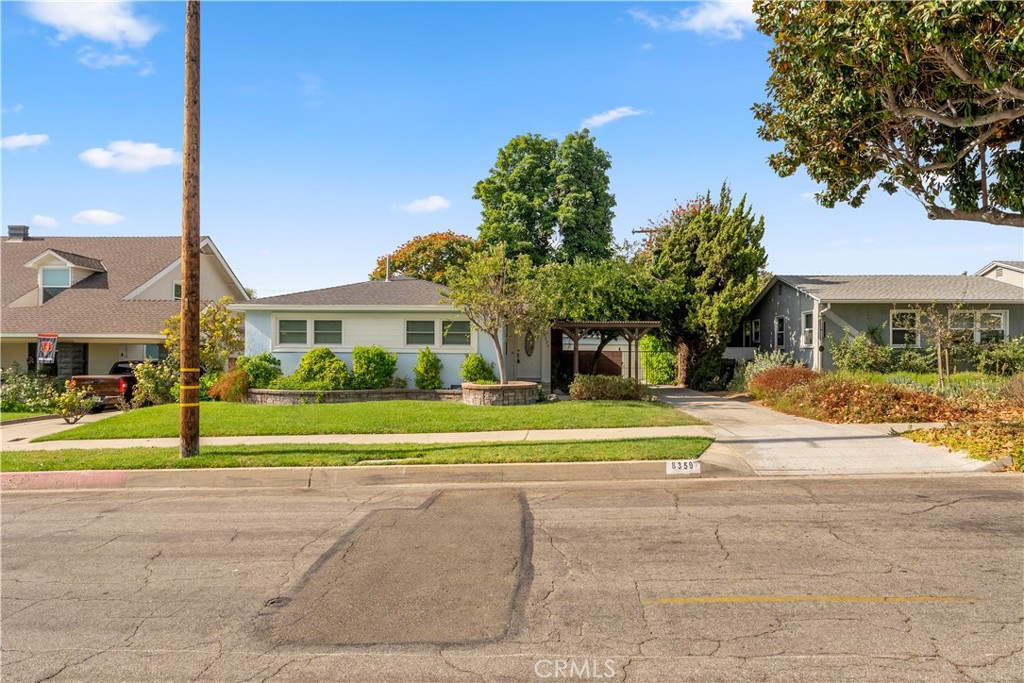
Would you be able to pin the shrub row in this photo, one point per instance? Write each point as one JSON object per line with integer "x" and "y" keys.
{"x": 608, "y": 388}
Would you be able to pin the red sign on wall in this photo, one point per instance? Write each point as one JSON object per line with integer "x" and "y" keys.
{"x": 47, "y": 348}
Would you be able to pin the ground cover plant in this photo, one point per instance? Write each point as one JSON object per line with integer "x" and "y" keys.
{"x": 386, "y": 417}
{"x": 323, "y": 455}
{"x": 981, "y": 440}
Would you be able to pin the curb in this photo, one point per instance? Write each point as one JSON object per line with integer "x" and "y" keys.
{"x": 326, "y": 478}
{"x": 25, "y": 420}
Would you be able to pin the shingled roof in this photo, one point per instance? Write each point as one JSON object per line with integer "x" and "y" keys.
{"x": 95, "y": 305}
{"x": 398, "y": 292}
{"x": 905, "y": 288}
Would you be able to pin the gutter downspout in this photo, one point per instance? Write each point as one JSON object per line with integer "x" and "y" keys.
{"x": 819, "y": 333}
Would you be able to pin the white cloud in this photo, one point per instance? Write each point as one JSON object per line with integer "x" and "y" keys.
{"x": 807, "y": 196}
{"x": 97, "y": 217}
{"x": 103, "y": 60}
{"x": 16, "y": 109}
{"x": 646, "y": 47}
{"x": 24, "y": 140}
{"x": 426, "y": 205}
{"x": 128, "y": 155}
{"x": 598, "y": 120}
{"x": 41, "y": 221}
{"x": 727, "y": 19}
{"x": 147, "y": 69}
{"x": 108, "y": 22}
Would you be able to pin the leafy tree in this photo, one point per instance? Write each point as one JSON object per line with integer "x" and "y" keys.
{"x": 614, "y": 289}
{"x": 428, "y": 257}
{"x": 712, "y": 259}
{"x": 928, "y": 96}
{"x": 221, "y": 335}
{"x": 549, "y": 200}
{"x": 497, "y": 291}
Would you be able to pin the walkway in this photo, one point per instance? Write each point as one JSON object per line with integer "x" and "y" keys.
{"x": 773, "y": 443}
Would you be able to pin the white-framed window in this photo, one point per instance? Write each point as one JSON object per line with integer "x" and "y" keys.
{"x": 746, "y": 334}
{"x": 419, "y": 333}
{"x": 903, "y": 329}
{"x": 153, "y": 351}
{"x": 176, "y": 290}
{"x": 755, "y": 332}
{"x": 327, "y": 332}
{"x": 53, "y": 280}
{"x": 979, "y": 327}
{"x": 807, "y": 331}
{"x": 780, "y": 332}
{"x": 455, "y": 333}
{"x": 292, "y": 332}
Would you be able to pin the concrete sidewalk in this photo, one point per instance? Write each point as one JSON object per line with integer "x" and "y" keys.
{"x": 773, "y": 443}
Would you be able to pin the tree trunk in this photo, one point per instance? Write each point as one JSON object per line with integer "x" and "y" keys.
{"x": 605, "y": 340}
{"x": 682, "y": 363}
{"x": 188, "y": 421}
{"x": 501, "y": 358}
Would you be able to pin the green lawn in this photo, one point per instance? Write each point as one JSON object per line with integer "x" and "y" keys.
{"x": 385, "y": 417}
{"x": 312, "y": 455}
{"x": 9, "y": 415}
{"x": 930, "y": 379}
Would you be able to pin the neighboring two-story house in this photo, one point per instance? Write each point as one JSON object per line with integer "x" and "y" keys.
{"x": 106, "y": 298}
{"x": 801, "y": 313}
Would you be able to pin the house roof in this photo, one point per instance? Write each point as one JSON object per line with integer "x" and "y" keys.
{"x": 1012, "y": 265}
{"x": 72, "y": 259}
{"x": 903, "y": 288}
{"x": 397, "y": 292}
{"x": 96, "y": 305}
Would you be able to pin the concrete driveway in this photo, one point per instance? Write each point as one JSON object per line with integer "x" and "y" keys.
{"x": 773, "y": 443}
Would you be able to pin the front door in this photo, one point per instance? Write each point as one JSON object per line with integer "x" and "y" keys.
{"x": 528, "y": 357}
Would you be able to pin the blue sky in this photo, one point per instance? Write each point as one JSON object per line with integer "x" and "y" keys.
{"x": 333, "y": 132}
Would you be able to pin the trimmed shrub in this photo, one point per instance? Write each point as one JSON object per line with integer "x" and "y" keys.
{"x": 321, "y": 366}
{"x": 1002, "y": 359}
{"x": 155, "y": 383}
{"x": 231, "y": 386}
{"x": 293, "y": 383}
{"x": 861, "y": 353}
{"x": 372, "y": 367}
{"x": 608, "y": 388}
{"x": 262, "y": 369}
{"x": 776, "y": 381}
{"x": 658, "y": 361}
{"x": 476, "y": 370}
{"x": 428, "y": 370}
{"x": 914, "y": 360}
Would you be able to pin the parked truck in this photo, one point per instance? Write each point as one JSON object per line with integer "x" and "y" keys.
{"x": 112, "y": 388}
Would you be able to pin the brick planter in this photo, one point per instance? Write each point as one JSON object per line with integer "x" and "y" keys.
{"x": 291, "y": 397}
{"x": 511, "y": 394}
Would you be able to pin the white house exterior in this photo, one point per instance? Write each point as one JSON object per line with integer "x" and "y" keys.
{"x": 402, "y": 315}
{"x": 106, "y": 298}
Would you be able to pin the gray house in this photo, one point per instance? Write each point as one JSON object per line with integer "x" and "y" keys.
{"x": 800, "y": 313}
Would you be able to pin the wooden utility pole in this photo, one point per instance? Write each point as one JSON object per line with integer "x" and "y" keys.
{"x": 188, "y": 421}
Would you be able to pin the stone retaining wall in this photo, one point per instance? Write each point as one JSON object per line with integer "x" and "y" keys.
{"x": 511, "y": 394}
{"x": 292, "y": 397}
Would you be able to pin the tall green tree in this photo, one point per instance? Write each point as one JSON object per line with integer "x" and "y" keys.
{"x": 549, "y": 200}
{"x": 710, "y": 254}
{"x": 927, "y": 96}
{"x": 427, "y": 257}
{"x": 500, "y": 292}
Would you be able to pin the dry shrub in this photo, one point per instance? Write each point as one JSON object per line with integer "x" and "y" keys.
{"x": 232, "y": 386}
{"x": 1014, "y": 390}
{"x": 776, "y": 381}
{"x": 839, "y": 399}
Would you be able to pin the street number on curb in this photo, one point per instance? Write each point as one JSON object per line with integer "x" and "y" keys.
{"x": 682, "y": 467}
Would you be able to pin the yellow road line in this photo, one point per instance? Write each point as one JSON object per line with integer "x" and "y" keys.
{"x": 806, "y": 598}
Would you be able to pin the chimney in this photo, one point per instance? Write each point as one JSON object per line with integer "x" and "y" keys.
{"x": 387, "y": 270}
{"x": 17, "y": 233}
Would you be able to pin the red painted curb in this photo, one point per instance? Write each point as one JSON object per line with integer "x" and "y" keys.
{"x": 85, "y": 479}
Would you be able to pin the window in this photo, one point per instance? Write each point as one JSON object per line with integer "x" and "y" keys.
{"x": 961, "y": 325}
{"x": 780, "y": 332}
{"x": 903, "y": 328}
{"x": 291, "y": 332}
{"x": 755, "y": 332}
{"x": 53, "y": 280}
{"x": 327, "y": 332}
{"x": 807, "y": 334}
{"x": 153, "y": 351}
{"x": 455, "y": 333}
{"x": 419, "y": 332}
{"x": 746, "y": 334}
{"x": 176, "y": 291}
{"x": 978, "y": 327}
{"x": 991, "y": 327}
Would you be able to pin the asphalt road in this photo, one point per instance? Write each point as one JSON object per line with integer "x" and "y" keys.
{"x": 898, "y": 579}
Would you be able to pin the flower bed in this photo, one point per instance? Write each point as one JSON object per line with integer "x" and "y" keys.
{"x": 299, "y": 397}
{"x": 511, "y": 394}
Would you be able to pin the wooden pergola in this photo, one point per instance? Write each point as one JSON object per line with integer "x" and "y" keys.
{"x": 630, "y": 330}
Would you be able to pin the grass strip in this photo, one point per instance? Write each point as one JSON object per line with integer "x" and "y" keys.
{"x": 385, "y": 417}
{"x": 331, "y": 455}
{"x": 7, "y": 416}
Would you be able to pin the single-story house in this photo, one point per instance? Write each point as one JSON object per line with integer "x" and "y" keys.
{"x": 402, "y": 315}
{"x": 801, "y": 313}
{"x": 105, "y": 298}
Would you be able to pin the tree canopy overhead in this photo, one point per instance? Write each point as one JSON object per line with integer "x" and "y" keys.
{"x": 428, "y": 257}
{"x": 549, "y": 200}
{"x": 925, "y": 96}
